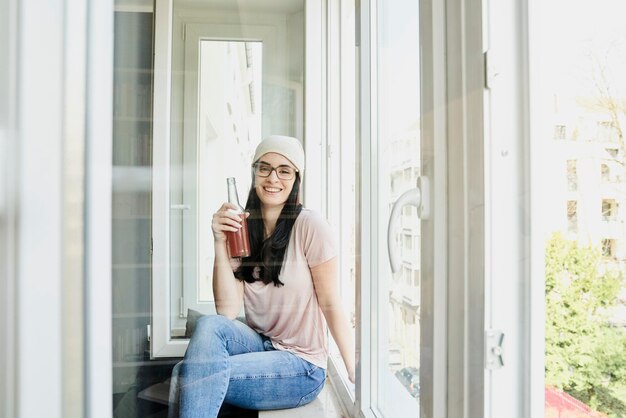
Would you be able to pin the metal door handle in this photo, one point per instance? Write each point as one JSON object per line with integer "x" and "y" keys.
{"x": 417, "y": 197}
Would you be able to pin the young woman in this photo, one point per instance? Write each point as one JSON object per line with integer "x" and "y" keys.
{"x": 288, "y": 288}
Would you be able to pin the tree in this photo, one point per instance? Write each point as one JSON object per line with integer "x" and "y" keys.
{"x": 607, "y": 100}
{"x": 585, "y": 355}
{"x": 608, "y": 97}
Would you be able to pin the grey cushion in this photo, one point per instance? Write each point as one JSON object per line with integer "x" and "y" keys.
{"x": 192, "y": 318}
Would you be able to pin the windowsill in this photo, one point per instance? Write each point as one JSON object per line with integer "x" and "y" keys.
{"x": 326, "y": 405}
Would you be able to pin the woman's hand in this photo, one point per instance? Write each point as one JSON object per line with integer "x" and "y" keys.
{"x": 227, "y": 291}
{"x": 351, "y": 375}
{"x": 226, "y": 219}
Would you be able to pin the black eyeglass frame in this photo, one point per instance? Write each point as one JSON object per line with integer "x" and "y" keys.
{"x": 255, "y": 170}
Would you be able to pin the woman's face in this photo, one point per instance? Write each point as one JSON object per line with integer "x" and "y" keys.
{"x": 273, "y": 191}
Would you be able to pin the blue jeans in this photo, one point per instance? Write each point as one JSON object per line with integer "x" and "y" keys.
{"x": 227, "y": 361}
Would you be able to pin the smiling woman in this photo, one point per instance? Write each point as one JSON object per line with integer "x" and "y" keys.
{"x": 288, "y": 288}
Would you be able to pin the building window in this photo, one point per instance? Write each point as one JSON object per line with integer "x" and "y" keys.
{"x": 407, "y": 174}
{"x": 572, "y": 216}
{"x": 608, "y": 247}
{"x": 394, "y": 183}
{"x": 406, "y": 274}
{"x": 559, "y": 131}
{"x": 613, "y": 152}
{"x": 606, "y": 131}
{"x": 409, "y": 317}
{"x": 572, "y": 177}
{"x": 605, "y": 173}
{"x": 609, "y": 209}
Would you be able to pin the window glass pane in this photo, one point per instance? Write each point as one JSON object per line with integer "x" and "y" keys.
{"x": 131, "y": 198}
{"x": 580, "y": 67}
{"x": 398, "y": 170}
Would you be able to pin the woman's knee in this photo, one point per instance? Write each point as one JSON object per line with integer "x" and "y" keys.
{"x": 210, "y": 326}
{"x": 318, "y": 378}
{"x": 212, "y": 322}
{"x": 208, "y": 337}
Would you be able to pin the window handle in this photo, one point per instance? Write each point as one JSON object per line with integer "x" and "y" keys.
{"x": 180, "y": 207}
{"x": 418, "y": 197}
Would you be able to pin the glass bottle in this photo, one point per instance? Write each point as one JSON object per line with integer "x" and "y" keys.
{"x": 238, "y": 242}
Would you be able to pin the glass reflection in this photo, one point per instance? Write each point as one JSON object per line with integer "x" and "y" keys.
{"x": 229, "y": 126}
{"x": 399, "y": 165}
{"x": 220, "y": 132}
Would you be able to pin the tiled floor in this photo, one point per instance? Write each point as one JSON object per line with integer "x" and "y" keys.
{"x": 326, "y": 405}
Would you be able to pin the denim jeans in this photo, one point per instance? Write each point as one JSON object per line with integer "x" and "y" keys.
{"x": 227, "y": 361}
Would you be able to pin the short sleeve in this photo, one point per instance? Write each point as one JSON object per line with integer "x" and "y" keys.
{"x": 318, "y": 242}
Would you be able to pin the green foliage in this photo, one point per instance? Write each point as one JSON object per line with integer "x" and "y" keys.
{"x": 585, "y": 356}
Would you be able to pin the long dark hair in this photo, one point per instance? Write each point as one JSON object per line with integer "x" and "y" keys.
{"x": 268, "y": 254}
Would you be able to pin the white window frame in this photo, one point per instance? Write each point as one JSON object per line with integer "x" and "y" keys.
{"x": 55, "y": 208}
{"x": 514, "y": 246}
{"x": 434, "y": 313}
{"x": 340, "y": 112}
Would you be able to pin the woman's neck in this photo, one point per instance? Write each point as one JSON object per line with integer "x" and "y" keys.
{"x": 270, "y": 217}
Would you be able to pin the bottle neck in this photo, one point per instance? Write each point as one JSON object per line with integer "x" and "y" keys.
{"x": 233, "y": 197}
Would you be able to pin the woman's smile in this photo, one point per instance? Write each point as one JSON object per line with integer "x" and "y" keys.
{"x": 272, "y": 190}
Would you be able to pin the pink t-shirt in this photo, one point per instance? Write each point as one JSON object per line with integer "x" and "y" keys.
{"x": 290, "y": 315}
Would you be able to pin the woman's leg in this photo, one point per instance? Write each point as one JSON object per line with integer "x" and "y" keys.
{"x": 205, "y": 371}
{"x": 272, "y": 380}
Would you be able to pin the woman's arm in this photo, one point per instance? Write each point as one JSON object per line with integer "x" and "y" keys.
{"x": 326, "y": 282}
{"x": 228, "y": 291}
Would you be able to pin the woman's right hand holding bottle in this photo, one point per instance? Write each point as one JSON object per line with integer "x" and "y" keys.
{"x": 228, "y": 292}
{"x": 226, "y": 219}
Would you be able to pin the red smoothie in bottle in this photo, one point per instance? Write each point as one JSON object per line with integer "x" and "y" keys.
{"x": 238, "y": 242}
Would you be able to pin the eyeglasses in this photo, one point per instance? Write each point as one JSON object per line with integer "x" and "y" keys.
{"x": 283, "y": 172}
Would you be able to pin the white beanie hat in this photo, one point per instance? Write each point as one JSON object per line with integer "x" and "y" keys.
{"x": 287, "y": 146}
